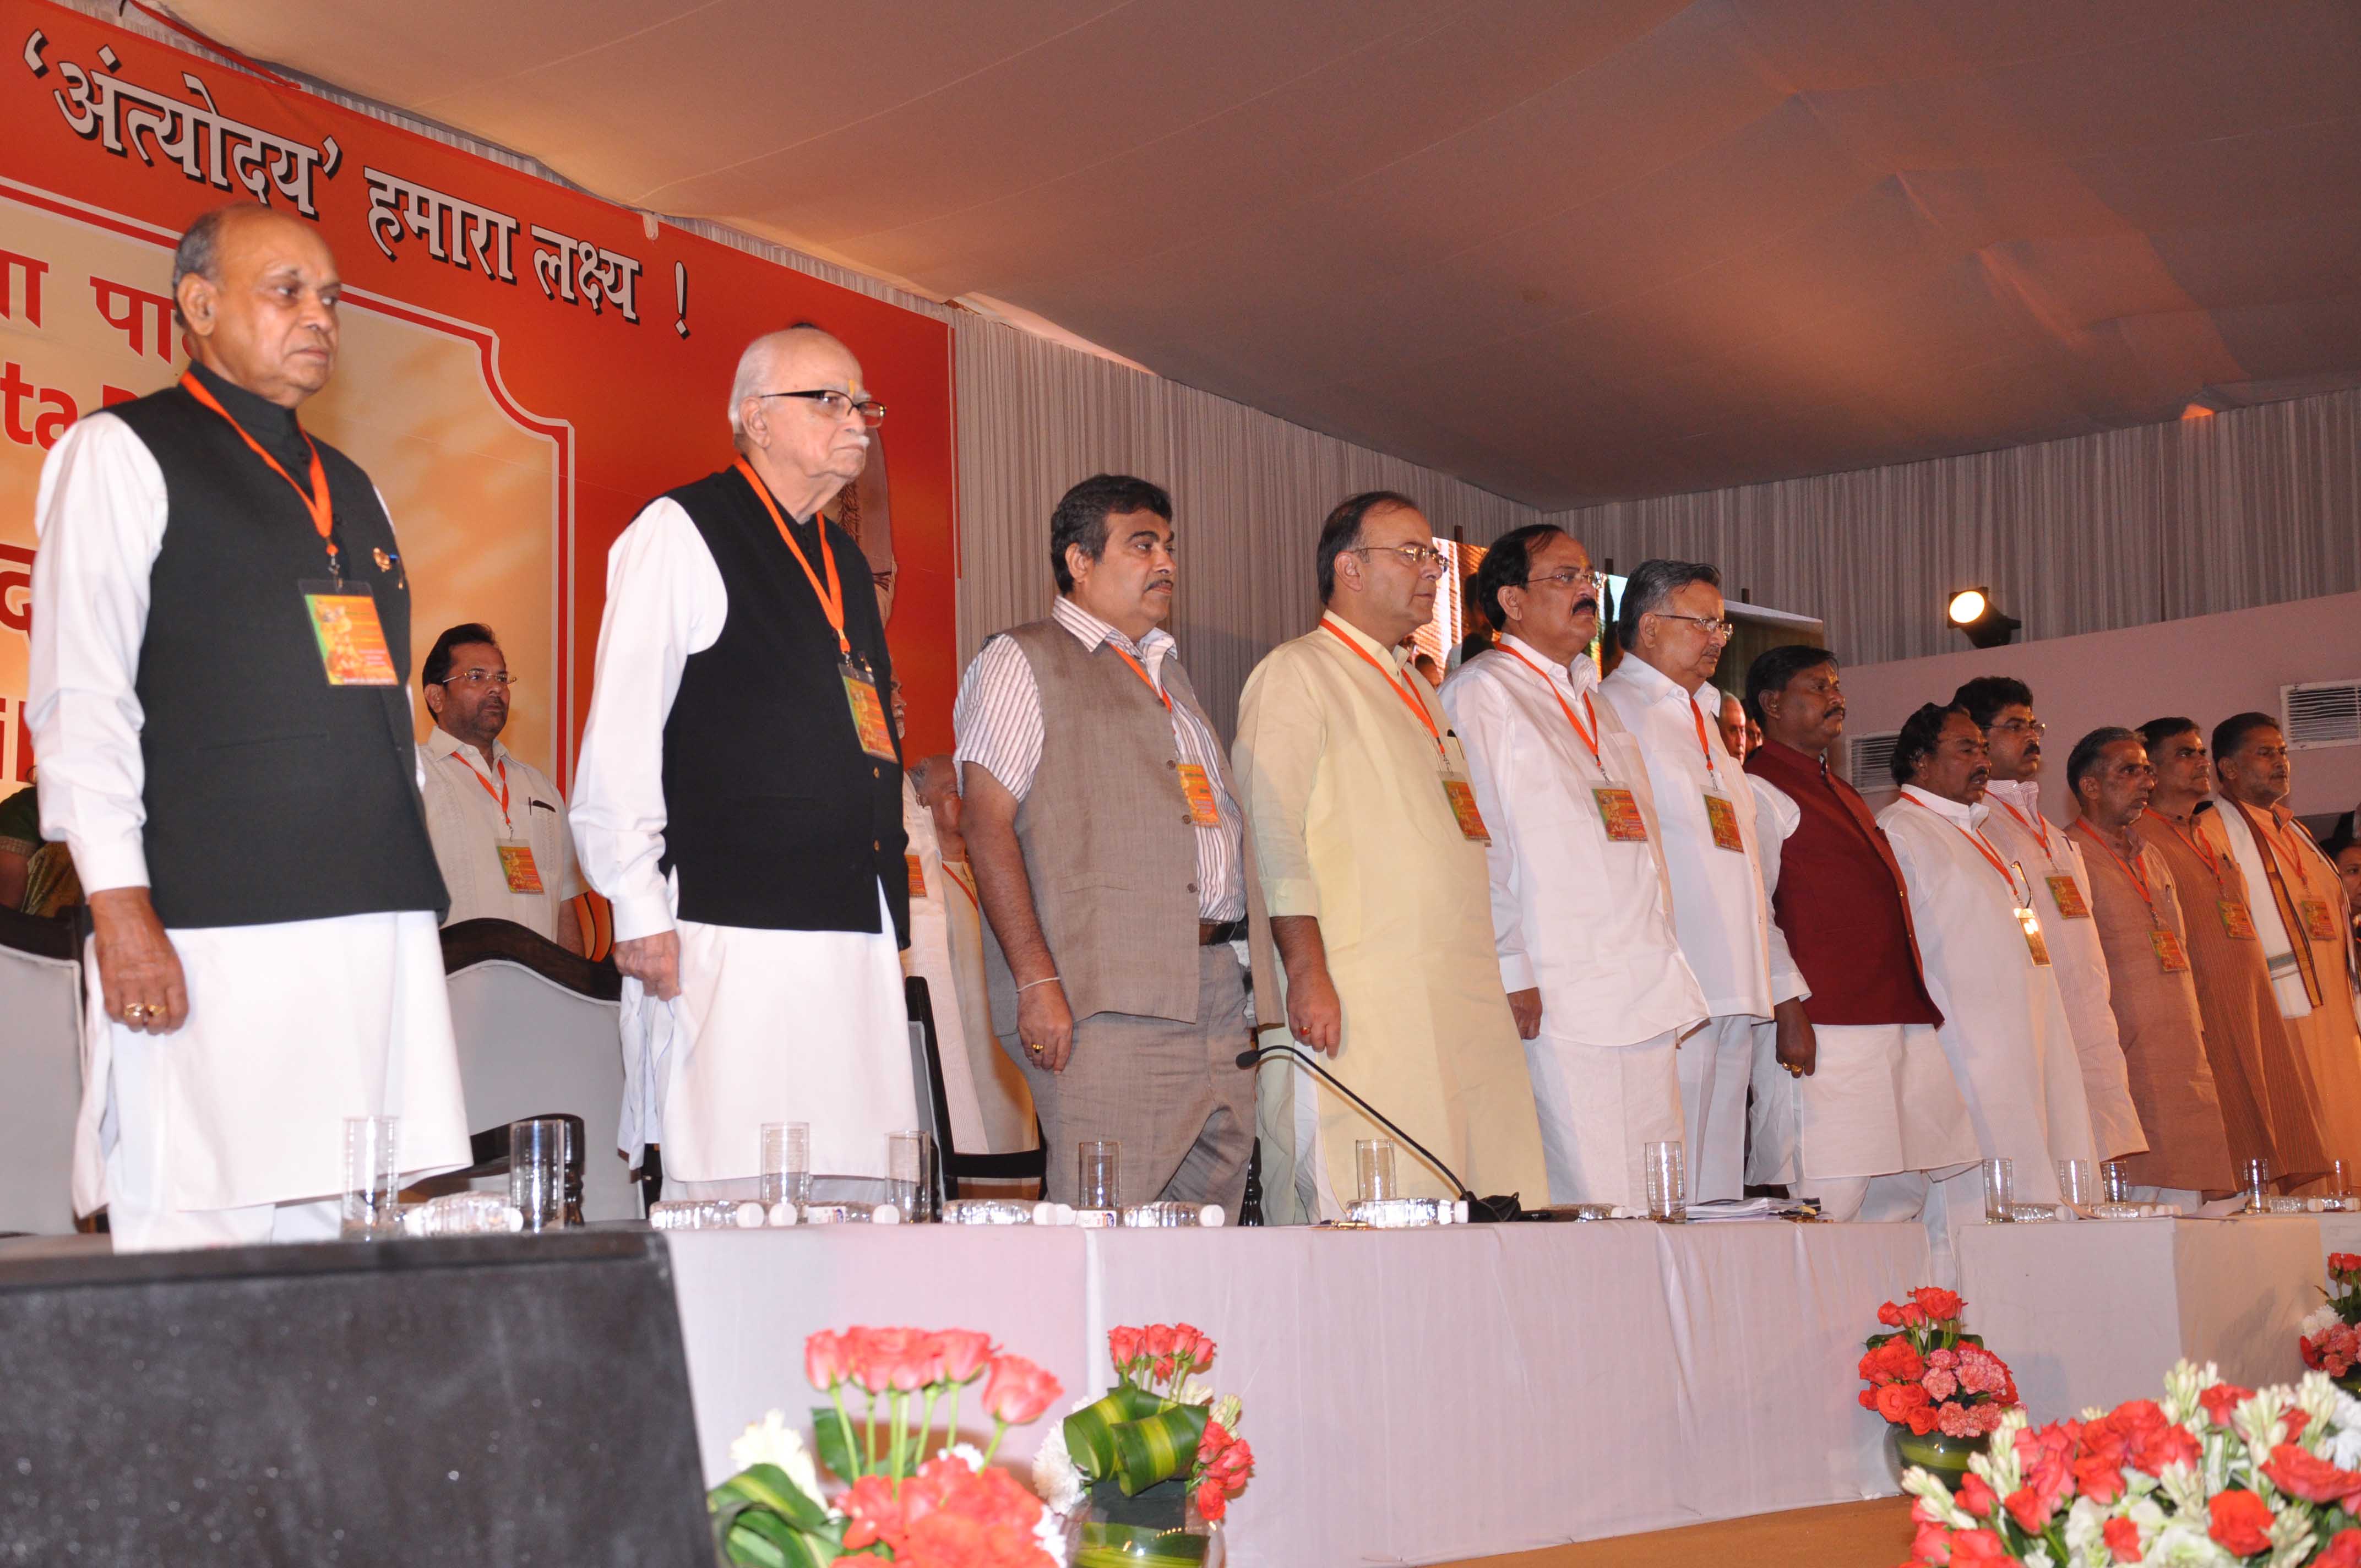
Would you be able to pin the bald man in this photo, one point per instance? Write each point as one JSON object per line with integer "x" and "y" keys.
{"x": 219, "y": 698}
{"x": 740, "y": 799}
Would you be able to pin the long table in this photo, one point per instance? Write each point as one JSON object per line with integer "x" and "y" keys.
{"x": 1422, "y": 1396}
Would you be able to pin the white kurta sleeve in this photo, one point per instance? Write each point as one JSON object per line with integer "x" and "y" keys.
{"x": 100, "y": 519}
{"x": 1479, "y": 711}
{"x": 665, "y": 602}
{"x": 1776, "y": 817}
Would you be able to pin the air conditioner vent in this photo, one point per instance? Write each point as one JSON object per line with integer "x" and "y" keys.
{"x": 1869, "y": 762}
{"x": 2321, "y": 713}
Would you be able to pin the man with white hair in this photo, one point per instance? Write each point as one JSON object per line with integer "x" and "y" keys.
{"x": 740, "y": 798}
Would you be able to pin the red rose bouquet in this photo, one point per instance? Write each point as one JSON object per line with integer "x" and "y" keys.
{"x": 2329, "y": 1338}
{"x": 1926, "y": 1374}
{"x": 909, "y": 1499}
{"x": 2213, "y": 1475}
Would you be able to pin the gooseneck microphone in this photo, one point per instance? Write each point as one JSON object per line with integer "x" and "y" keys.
{"x": 1477, "y": 1208}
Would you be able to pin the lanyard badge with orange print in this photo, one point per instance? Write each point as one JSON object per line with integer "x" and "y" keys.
{"x": 1457, "y": 791}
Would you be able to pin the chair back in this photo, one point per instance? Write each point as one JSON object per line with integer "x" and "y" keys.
{"x": 927, "y": 1062}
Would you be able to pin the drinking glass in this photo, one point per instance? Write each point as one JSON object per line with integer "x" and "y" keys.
{"x": 2074, "y": 1182}
{"x": 909, "y": 1163}
{"x": 2000, "y": 1190}
{"x": 1373, "y": 1170}
{"x": 786, "y": 1163}
{"x": 537, "y": 1171}
{"x": 2257, "y": 1182}
{"x": 2115, "y": 1181}
{"x": 370, "y": 1182}
{"x": 1100, "y": 1175}
{"x": 1667, "y": 1194}
{"x": 2337, "y": 1184}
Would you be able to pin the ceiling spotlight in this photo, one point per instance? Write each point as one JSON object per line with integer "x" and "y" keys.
{"x": 1973, "y": 612}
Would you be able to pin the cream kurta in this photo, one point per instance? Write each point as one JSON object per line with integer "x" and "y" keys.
{"x": 991, "y": 1109}
{"x": 2159, "y": 1022}
{"x": 2004, "y": 1026}
{"x": 1352, "y": 825}
{"x": 2076, "y": 957}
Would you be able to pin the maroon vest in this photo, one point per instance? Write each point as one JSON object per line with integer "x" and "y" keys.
{"x": 1841, "y": 901}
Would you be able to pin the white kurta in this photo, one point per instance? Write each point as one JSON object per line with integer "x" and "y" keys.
{"x": 1585, "y": 919}
{"x": 292, "y": 1027}
{"x": 1880, "y": 1098}
{"x": 2076, "y": 957}
{"x": 2004, "y": 1026}
{"x": 770, "y": 1025}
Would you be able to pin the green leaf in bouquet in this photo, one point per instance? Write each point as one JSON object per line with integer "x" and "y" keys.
{"x": 827, "y": 1442}
{"x": 1159, "y": 1447}
{"x": 1090, "y": 1432}
{"x": 768, "y": 1485}
{"x": 762, "y": 1539}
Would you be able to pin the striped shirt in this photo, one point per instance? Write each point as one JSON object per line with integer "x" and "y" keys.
{"x": 998, "y": 721}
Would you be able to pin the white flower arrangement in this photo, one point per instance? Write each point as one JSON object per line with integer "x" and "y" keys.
{"x": 1057, "y": 1479}
{"x": 772, "y": 1442}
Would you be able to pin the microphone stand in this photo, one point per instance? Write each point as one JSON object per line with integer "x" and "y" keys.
{"x": 1478, "y": 1208}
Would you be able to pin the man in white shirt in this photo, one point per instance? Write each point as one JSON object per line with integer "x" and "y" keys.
{"x": 1581, "y": 908}
{"x": 498, "y": 822}
{"x": 1673, "y": 631}
{"x": 740, "y": 799}
{"x": 2060, "y": 882}
{"x": 1988, "y": 968}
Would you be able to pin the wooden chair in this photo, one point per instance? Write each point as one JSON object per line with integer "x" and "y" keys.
{"x": 1028, "y": 1165}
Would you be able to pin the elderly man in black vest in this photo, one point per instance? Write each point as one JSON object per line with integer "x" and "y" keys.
{"x": 263, "y": 891}
{"x": 740, "y": 798}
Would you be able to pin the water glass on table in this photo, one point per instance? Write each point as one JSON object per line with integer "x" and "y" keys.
{"x": 370, "y": 1182}
{"x": 1667, "y": 1188}
{"x": 1098, "y": 1174}
{"x": 2074, "y": 1182}
{"x": 910, "y": 1166}
{"x": 1373, "y": 1170}
{"x": 786, "y": 1163}
{"x": 537, "y": 1170}
{"x": 2256, "y": 1183}
{"x": 2115, "y": 1181}
{"x": 2000, "y": 1190}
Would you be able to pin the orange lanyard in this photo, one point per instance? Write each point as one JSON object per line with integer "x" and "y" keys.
{"x": 2197, "y": 845}
{"x": 832, "y": 596}
{"x": 2277, "y": 837}
{"x": 961, "y": 884}
{"x": 1144, "y": 678}
{"x": 1416, "y": 706}
{"x": 2039, "y": 828}
{"x": 1589, "y": 735}
{"x": 1698, "y": 713}
{"x": 2131, "y": 867}
{"x": 500, "y": 795}
{"x": 316, "y": 500}
{"x": 1975, "y": 837}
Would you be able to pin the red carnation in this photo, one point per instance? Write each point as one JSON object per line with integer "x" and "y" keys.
{"x": 2122, "y": 1540}
{"x": 2222, "y": 1399}
{"x": 2302, "y": 1474}
{"x": 2345, "y": 1552}
{"x": 2242, "y": 1522}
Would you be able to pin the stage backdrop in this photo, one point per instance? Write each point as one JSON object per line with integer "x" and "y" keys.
{"x": 523, "y": 366}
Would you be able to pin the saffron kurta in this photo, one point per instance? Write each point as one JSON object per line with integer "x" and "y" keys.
{"x": 2265, "y": 1089}
{"x": 2004, "y": 1027}
{"x": 2157, "y": 1017}
{"x": 1344, "y": 787}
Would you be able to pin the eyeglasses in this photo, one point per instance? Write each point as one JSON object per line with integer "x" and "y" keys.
{"x": 476, "y": 679}
{"x": 1720, "y": 630}
{"x": 2032, "y": 726}
{"x": 1566, "y": 579}
{"x": 839, "y": 404}
{"x": 1419, "y": 556}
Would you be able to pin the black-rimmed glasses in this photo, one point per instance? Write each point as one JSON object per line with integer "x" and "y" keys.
{"x": 839, "y": 404}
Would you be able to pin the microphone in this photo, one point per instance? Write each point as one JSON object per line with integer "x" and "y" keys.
{"x": 1478, "y": 1208}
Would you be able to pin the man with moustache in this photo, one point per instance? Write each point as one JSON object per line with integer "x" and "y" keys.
{"x": 1112, "y": 863}
{"x": 739, "y": 798}
{"x": 1853, "y": 1103}
{"x": 1581, "y": 908}
{"x": 1988, "y": 968}
{"x": 1372, "y": 851}
{"x": 2297, "y": 906}
{"x": 498, "y": 822}
{"x": 2268, "y": 1108}
{"x": 2054, "y": 870}
{"x": 263, "y": 889}
{"x": 1673, "y": 631}
{"x": 1733, "y": 723}
{"x": 2136, "y": 910}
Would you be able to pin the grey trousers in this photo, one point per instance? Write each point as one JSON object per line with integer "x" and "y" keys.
{"x": 1171, "y": 1093}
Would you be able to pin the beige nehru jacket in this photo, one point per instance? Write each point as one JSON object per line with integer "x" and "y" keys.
{"x": 464, "y": 820}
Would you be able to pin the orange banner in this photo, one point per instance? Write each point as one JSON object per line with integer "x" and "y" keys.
{"x": 523, "y": 366}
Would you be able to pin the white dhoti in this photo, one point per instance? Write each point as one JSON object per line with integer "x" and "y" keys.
{"x": 197, "y": 1137}
{"x": 1880, "y": 1099}
{"x": 1715, "y": 1063}
{"x": 1600, "y": 1107}
{"x": 771, "y": 1026}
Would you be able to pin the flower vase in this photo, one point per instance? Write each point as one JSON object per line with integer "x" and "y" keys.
{"x": 1158, "y": 1528}
{"x": 1945, "y": 1458}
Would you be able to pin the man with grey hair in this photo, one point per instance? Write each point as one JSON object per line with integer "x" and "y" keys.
{"x": 263, "y": 891}
{"x": 740, "y": 798}
{"x": 1672, "y": 630}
